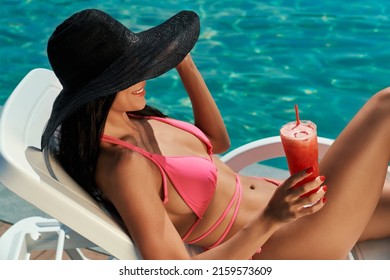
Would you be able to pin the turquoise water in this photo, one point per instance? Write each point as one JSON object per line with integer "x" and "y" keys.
{"x": 259, "y": 58}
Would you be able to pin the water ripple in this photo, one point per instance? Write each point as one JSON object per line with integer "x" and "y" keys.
{"x": 259, "y": 56}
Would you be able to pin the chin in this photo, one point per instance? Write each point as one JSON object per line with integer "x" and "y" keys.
{"x": 138, "y": 108}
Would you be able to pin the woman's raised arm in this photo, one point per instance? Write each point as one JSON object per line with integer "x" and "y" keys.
{"x": 206, "y": 113}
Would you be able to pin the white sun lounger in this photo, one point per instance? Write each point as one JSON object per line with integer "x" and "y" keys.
{"x": 78, "y": 221}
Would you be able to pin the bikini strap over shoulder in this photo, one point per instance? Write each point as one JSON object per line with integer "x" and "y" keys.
{"x": 116, "y": 141}
{"x": 181, "y": 125}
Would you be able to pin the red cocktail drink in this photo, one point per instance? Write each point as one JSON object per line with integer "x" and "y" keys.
{"x": 301, "y": 147}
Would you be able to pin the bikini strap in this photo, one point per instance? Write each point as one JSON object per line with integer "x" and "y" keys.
{"x": 190, "y": 128}
{"x": 236, "y": 197}
{"x": 116, "y": 141}
{"x": 219, "y": 241}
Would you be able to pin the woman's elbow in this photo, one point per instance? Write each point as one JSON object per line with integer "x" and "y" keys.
{"x": 221, "y": 146}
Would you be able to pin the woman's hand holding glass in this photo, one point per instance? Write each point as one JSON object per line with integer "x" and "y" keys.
{"x": 289, "y": 203}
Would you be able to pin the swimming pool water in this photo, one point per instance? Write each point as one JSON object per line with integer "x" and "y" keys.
{"x": 259, "y": 58}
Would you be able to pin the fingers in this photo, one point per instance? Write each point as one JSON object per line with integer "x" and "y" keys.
{"x": 308, "y": 194}
{"x": 297, "y": 177}
{"x": 308, "y": 188}
{"x": 308, "y": 205}
{"x": 315, "y": 199}
{"x": 313, "y": 208}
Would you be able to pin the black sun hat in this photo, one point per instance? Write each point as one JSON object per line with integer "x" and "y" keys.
{"x": 94, "y": 55}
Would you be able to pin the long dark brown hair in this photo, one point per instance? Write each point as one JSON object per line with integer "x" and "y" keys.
{"x": 79, "y": 140}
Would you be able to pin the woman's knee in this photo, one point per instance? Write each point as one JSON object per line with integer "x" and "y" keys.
{"x": 377, "y": 112}
{"x": 379, "y": 115}
{"x": 382, "y": 103}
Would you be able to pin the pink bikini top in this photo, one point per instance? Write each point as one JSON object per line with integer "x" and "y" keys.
{"x": 193, "y": 177}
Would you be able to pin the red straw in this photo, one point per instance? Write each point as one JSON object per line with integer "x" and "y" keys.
{"x": 297, "y": 114}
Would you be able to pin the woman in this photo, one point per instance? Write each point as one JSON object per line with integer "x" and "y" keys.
{"x": 160, "y": 176}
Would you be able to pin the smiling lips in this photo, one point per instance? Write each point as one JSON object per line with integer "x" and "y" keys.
{"x": 139, "y": 92}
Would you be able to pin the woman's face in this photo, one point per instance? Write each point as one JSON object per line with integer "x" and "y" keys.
{"x": 130, "y": 99}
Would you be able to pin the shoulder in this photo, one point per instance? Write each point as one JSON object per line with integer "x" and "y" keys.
{"x": 115, "y": 159}
{"x": 119, "y": 170}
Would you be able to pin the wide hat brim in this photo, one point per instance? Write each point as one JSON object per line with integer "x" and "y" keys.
{"x": 166, "y": 46}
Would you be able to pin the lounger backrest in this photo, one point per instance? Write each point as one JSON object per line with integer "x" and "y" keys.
{"x": 25, "y": 114}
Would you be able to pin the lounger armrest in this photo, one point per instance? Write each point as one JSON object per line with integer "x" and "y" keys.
{"x": 263, "y": 149}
